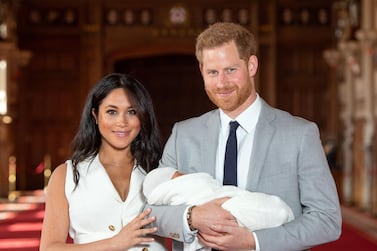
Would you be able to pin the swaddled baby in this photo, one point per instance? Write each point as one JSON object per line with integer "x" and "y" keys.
{"x": 253, "y": 210}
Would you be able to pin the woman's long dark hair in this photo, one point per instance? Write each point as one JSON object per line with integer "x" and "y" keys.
{"x": 146, "y": 148}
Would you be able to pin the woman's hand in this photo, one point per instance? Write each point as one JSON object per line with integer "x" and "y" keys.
{"x": 134, "y": 233}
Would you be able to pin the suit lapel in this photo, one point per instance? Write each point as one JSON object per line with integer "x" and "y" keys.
{"x": 264, "y": 132}
{"x": 209, "y": 143}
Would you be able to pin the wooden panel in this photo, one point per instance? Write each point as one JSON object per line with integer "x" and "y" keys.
{"x": 48, "y": 108}
{"x": 302, "y": 85}
{"x": 303, "y": 79}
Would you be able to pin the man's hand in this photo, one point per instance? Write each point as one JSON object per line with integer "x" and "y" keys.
{"x": 219, "y": 229}
{"x": 211, "y": 214}
{"x": 229, "y": 238}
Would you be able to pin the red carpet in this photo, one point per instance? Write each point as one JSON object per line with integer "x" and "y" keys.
{"x": 351, "y": 239}
{"x": 21, "y": 222}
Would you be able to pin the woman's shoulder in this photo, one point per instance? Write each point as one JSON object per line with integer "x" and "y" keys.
{"x": 59, "y": 172}
{"x": 56, "y": 183}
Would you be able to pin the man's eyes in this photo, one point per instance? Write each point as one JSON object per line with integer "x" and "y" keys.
{"x": 212, "y": 72}
{"x": 230, "y": 70}
{"x": 227, "y": 70}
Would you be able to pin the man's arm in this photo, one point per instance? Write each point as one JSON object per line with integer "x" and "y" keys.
{"x": 169, "y": 221}
{"x": 320, "y": 219}
{"x": 217, "y": 227}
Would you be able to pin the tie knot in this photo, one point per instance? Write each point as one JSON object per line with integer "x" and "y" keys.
{"x": 233, "y": 125}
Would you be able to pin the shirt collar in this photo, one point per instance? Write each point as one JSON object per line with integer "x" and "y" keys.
{"x": 139, "y": 168}
{"x": 247, "y": 119}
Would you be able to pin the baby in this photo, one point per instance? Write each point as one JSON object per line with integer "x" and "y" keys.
{"x": 253, "y": 210}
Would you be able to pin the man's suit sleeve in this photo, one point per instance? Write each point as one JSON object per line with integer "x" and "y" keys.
{"x": 169, "y": 221}
{"x": 320, "y": 220}
{"x": 169, "y": 156}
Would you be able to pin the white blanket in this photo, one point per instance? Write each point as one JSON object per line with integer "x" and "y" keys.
{"x": 252, "y": 210}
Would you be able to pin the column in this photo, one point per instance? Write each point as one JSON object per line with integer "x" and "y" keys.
{"x": 12, "y": 59}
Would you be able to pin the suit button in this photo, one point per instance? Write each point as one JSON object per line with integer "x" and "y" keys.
{"x": 111, "y": 227}
{"x": 145, "y": 249}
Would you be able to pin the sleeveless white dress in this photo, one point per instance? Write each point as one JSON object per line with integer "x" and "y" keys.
{"x": 96, "y": 210}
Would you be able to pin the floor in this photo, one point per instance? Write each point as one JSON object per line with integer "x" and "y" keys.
{"x": 361, "y": 221}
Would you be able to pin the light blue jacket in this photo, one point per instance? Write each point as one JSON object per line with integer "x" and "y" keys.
{"x": 287, "y": 161}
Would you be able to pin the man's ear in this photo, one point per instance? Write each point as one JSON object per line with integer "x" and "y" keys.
{"x": 201, "y": 69}
{"x": 252, "y": 65}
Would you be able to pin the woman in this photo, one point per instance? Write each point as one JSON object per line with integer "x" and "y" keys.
{"x": 96, "y": 196}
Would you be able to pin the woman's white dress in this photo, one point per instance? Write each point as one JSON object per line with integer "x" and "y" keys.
{"x": 96, "y": 210}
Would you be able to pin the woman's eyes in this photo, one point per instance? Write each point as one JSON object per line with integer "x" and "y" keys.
{"x": 114, "y": 112}
{"x": 132, "y": 112}
{"x": 111, "y": 112}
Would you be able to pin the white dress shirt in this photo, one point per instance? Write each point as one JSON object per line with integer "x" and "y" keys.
{"x": 245, "y": 137}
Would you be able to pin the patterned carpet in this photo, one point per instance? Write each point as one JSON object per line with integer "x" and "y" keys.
{"x": 21, "y": 222}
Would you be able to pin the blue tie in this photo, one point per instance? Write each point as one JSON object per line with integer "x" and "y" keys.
{"x": 230, "y": 161}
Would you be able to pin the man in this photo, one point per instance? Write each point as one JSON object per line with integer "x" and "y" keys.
{"x": 278, "y": 154}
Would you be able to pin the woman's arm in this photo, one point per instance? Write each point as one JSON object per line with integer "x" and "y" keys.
{"x": 56, "y": 219}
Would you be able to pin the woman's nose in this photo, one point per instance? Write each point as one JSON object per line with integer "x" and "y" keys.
{"x": 122, "y": 120}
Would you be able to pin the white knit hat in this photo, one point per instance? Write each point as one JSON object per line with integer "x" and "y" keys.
{"x": 156, "y": 177}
